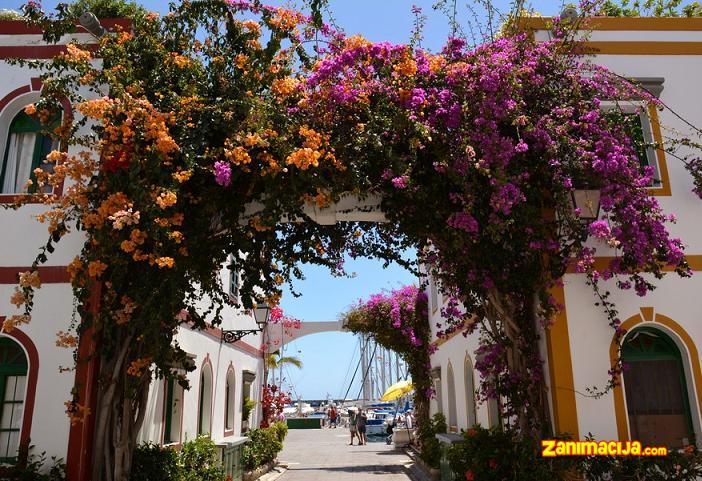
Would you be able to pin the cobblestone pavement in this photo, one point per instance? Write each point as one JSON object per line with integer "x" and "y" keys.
{"x": 325, "y": 455}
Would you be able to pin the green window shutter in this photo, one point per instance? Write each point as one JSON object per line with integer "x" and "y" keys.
{"x": 43, "y": 144}
{"x": 167, "y": 432}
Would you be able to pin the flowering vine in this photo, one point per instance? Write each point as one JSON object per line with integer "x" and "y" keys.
{"x": 211, "y": 131}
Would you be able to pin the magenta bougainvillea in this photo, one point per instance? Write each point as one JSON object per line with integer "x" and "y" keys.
{"x": 482, "y": 149}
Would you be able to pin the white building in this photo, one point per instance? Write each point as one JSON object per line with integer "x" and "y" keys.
{"x": 32, "y": 389}
{"x": 661, "y": 398}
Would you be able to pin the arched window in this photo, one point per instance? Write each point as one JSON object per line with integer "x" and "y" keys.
{"x": 470, "y": 392}
{"x": 26, "y": 150}
{"x": 204, "y": 420}
{"x": 229, "y": 401}
{"x": 451, "y": 386}
{"x": 13, "y": 382}
{"x": 436, "y": 382}
{"x": 173, "y": 411}
{"x": 656, "y": 390}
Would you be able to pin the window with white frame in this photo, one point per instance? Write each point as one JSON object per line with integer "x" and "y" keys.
{"x": 27, "y": 147}
{"x": 234, "y": 280}
{"x": 434, "y": 289}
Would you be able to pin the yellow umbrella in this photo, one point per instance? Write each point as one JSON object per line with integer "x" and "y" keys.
{"x": 397, "y": 390}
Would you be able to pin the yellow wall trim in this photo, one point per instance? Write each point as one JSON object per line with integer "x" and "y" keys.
{"x": 459, "y": 330}
{"x": 624, "y": 23}
{"x": 642, "y": 48}
{"x": 664, "y": 189}
{"x": 647, "y": 313}
{"x": 565, "y": 412}
{"x": 693, "y": 358}
{"x": 601, "y": 263}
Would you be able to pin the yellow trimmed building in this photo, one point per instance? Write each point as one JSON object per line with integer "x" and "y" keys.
{"x": 659, "y": 399}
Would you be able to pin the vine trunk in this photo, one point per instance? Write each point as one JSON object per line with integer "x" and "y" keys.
{"x": 120, "y": 410}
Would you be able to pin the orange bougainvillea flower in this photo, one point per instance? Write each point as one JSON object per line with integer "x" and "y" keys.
{"x": 96, "y": 268}
{"x": 18, "y": 298}
{"x": 13, "y": 321}
{"x": 76, "y": 412}
{"x": 407, "y": 66}
{"x": 138, "y": 365}
{"x": 122, "y": 316}
{"x": 123, "y": 218}
{"x": 137, "y": 236}
{"x": 76, "y": 54}
{"x": 313, "y": 139}
{"x": 304, "y": 158}
{"x": 64, "y": 339}
{"x": 74, "y": 268}
{"x": 165, "y": 262}
{"x": 237, "y": 156}
{"x": 127, "y": 246}
{"x": 29, "y": 279}
{"x": 284, "y": 87}
{"x": 182, "y": 175}
{"x": 166, "y": 199}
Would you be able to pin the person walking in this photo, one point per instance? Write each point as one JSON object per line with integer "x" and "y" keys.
{"x": 352, "y": 426}
{"x": 361, "y": 427}
{"x": 333, "y": 417}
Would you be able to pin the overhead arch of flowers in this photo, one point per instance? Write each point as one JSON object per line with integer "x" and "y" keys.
{"x": 190, "y": 119}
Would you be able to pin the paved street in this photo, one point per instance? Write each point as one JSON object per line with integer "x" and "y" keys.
{"x": 325, "y": 455}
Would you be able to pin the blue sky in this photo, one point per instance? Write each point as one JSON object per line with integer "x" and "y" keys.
{"x": 327, "y": 357}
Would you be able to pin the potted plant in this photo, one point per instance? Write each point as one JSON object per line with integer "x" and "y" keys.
{"x": 246, "y": 409}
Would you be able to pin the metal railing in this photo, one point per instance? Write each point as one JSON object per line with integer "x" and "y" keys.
{"x": 231, "y": 454}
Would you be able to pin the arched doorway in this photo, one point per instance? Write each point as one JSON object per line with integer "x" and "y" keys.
{"x": 657, "y": 399}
